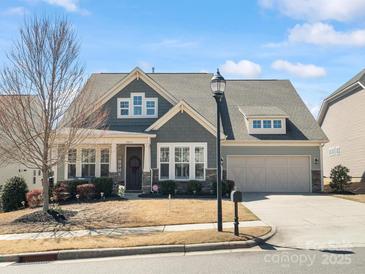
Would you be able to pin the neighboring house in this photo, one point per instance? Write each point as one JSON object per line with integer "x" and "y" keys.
{"x": 32, "y": 177}
{"x": 342, "y": 118}
{"x": 161, "y": 126}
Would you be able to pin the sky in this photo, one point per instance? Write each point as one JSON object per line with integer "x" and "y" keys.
{"x": 316, "y": 44}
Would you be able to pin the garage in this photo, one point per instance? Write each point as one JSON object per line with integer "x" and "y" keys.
{"x": 269, "y": 173}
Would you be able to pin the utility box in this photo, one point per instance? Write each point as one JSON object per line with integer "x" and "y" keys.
{"x": 236, "y": 196}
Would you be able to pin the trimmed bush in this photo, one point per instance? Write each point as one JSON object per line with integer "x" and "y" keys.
{"x": 72, "y": 186}
{"x": 339, "y": 178}
{"x": 60, "y": 192}
{"x": 14, "y": 192}
{"x": 167, "y": 187}
{"x": 86, "y": 191}
{"x": 227, "y": 187}
{"x": 34, "y": 198}
{"x": 194, "y": 187}
{"x": 103, "y": 184}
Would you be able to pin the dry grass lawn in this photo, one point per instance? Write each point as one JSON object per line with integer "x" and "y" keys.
{"x": 357, "y": 198}
{"x": 127, "y": 213}
{"x": 164, "y": 238}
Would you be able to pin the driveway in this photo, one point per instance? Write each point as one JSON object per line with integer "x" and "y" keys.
{"x": 310, "y": 221}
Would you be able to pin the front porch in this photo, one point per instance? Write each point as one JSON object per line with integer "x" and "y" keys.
{"x": 123, "y": 156}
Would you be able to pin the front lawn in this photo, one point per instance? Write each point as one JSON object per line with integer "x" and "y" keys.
{"x": 127, "y": 213}
{"x": 161, "y": 238}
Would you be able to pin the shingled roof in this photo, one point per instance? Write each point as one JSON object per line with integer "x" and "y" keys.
{"x": 194, "y": 88}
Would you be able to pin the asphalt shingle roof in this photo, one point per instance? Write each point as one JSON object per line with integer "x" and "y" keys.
{"x": 261, "y": 111}
{"x": 265, "y": 95}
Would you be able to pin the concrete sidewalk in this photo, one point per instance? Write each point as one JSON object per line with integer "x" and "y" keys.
{"x": 122, "y": 231}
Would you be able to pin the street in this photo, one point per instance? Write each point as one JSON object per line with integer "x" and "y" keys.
{"x": 254, "y": 260}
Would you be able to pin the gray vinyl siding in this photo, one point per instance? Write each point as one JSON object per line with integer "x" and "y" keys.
{"x": 314, "y": 152}
{"x": 183, "y": 128}
{"x": 134, "y": 124}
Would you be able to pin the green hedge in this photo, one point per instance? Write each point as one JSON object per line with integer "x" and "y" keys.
{"x": 103, "y": 184}
{"x": 13, "y": 193}
{"x": 194, "y": 187}
{"x": 167, "y": 187}
{"x": 227, "y": 187}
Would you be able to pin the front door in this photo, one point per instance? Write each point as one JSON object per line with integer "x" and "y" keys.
{"x": 134, "y": 168}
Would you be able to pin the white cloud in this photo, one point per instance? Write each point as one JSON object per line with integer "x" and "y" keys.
{"x": 340, "y": 10}
{"x": 243, "y": 68}
{"x": 69, "y": 5}
{"x": 15, "y": 11}
{"x": 299, "y": 69}
{"x": 325, "y": 34}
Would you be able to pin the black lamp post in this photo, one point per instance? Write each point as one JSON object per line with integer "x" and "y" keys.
{"x": 218, "y": 84}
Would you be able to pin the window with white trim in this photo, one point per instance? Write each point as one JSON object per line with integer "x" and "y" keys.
{"x": 199, "y": 163}
{"x": 124, "y": 107}
{"x": 182, "y": 161}
{"x": 137, "y": 106}
{"x": 164, "y": 162}
{"x": 104, "y": 162}
{"x": 277, "y": 123}
{"x": 256, "y": 123}
{"x": 88, "y": 162}
{"x": 267, "y": 123}
{"x": 71, "y": 162}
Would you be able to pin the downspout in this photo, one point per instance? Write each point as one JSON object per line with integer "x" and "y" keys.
{"x": 321, "y": 164}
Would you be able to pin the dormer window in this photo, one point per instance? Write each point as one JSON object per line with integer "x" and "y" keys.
{"x": 277, "y": 123}
{"x": 264, "y": 119}
{"x": 137, "y": 106}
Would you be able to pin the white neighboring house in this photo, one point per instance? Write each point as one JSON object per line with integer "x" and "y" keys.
{"x": 342, "y": 118}
{"x": 32, "y": 177}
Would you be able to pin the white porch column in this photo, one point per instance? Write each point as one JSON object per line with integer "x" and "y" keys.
{"x": 147, "y": 156}
{"x": 113, "y": 158}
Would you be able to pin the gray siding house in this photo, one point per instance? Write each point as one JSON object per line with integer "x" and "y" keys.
{"x": 161, "y": 126}
{"x": 342, "y": 118}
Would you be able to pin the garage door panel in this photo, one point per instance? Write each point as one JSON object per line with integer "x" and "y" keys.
{"x": 270, "y": 173}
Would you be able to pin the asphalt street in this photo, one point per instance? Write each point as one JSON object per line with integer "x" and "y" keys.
{"x": 254, "y": 260}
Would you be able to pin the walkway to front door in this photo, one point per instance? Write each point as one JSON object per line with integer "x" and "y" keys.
{"x": 134, "y": 168}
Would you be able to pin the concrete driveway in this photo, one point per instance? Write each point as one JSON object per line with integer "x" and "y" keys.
{"x": 310, "y": 221}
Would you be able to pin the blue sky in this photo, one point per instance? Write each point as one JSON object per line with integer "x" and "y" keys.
{"x": 317, "y": 44}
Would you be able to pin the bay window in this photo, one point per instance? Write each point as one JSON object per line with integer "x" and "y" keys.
{"x": 88, "y": 162}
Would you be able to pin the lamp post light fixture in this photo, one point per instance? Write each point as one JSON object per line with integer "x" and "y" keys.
{"x": 218, "y": 85}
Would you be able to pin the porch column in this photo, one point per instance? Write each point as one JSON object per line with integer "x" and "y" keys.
{"x": 147, "y": 156}
{"x": 113, "y": 158}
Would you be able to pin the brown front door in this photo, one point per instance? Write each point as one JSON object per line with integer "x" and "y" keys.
{"x": 134, "y": 168}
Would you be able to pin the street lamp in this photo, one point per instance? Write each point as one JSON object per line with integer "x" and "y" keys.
{"x": 217, "y": 85}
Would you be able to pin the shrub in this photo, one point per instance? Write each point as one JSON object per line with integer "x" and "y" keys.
{"x": 167, "y": 187}
{"x": 86, "y": 191}
{"x": 103, "y": 184}
{"x": 34, "y": 198}
{"x": 72, "y": 186}
{"x": 14, "y": 192}
{"x": 339, "y": 178}
{"x": 194, "y": 187}
{"x": 227, "y": 187}
{"x": 60, "y": 192}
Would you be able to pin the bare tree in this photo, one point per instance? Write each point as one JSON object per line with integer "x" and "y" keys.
{"x": 41, "y": 98}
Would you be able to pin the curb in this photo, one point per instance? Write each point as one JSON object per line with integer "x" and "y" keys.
{"x": 128, "y": 251}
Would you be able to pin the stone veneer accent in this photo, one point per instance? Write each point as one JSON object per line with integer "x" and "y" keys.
{"x": 316, "y": 181}
{"x": 117, "y": 180}
{"x": 146, "y": 182}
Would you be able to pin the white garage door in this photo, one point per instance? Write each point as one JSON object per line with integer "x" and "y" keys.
{"x": 269, "y": 173}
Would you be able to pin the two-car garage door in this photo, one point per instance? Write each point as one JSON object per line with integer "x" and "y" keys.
{"x": 269, "y": 173}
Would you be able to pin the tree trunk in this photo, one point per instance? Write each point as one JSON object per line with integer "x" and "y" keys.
{"x": 45, "y": 189}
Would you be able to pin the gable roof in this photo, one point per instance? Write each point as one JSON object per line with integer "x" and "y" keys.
{"x": 194, "y": 89}
{"x": 356, "y": 82}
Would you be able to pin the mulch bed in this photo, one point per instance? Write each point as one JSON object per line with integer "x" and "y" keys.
{"x": 42, "y": 217}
